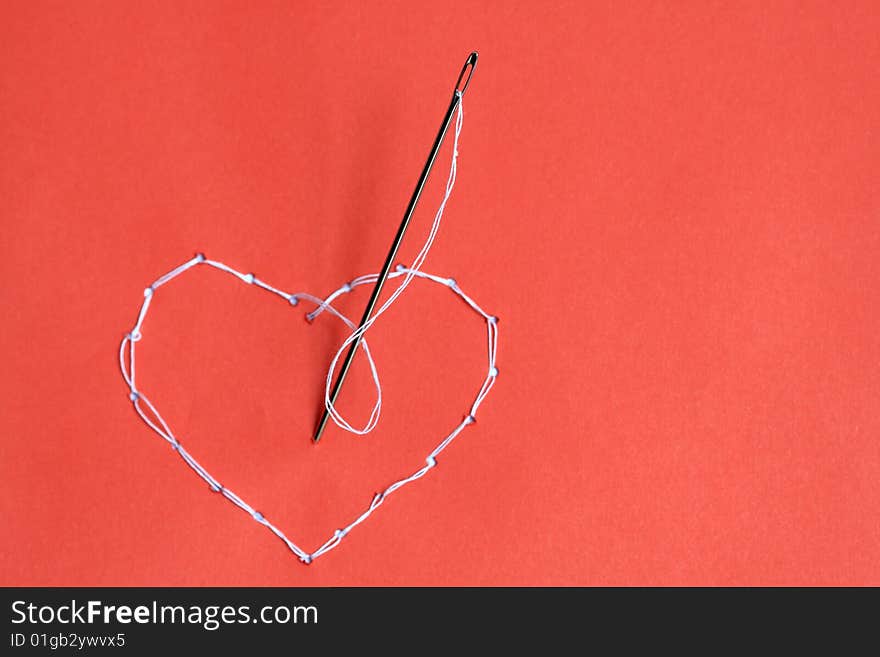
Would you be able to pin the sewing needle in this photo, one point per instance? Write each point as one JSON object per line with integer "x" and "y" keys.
{"x": 460, "y": 87}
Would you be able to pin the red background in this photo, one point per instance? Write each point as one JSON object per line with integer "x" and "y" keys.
{"x": 673, "y": 208}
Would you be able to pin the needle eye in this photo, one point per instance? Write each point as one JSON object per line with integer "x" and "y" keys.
{"x": 464, "y": 78}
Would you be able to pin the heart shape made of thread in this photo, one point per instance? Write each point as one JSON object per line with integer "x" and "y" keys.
{"x": 150, "y": 414}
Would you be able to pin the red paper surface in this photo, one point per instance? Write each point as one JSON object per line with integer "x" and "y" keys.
{"x": 672, "y": 207}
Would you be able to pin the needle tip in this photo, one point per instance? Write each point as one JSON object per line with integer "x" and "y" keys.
{"x": 320, "y": 430}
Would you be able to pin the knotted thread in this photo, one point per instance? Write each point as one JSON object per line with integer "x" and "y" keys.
{"x": 151, "y": 416}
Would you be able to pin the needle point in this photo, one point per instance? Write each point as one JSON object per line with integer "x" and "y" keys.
{"x": 321, "y": 425}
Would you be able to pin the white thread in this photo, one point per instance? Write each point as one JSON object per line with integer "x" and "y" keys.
{"x": 152, "y": 418}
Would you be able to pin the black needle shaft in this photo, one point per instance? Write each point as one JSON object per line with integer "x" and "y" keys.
{"x": 460, "y": 87}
